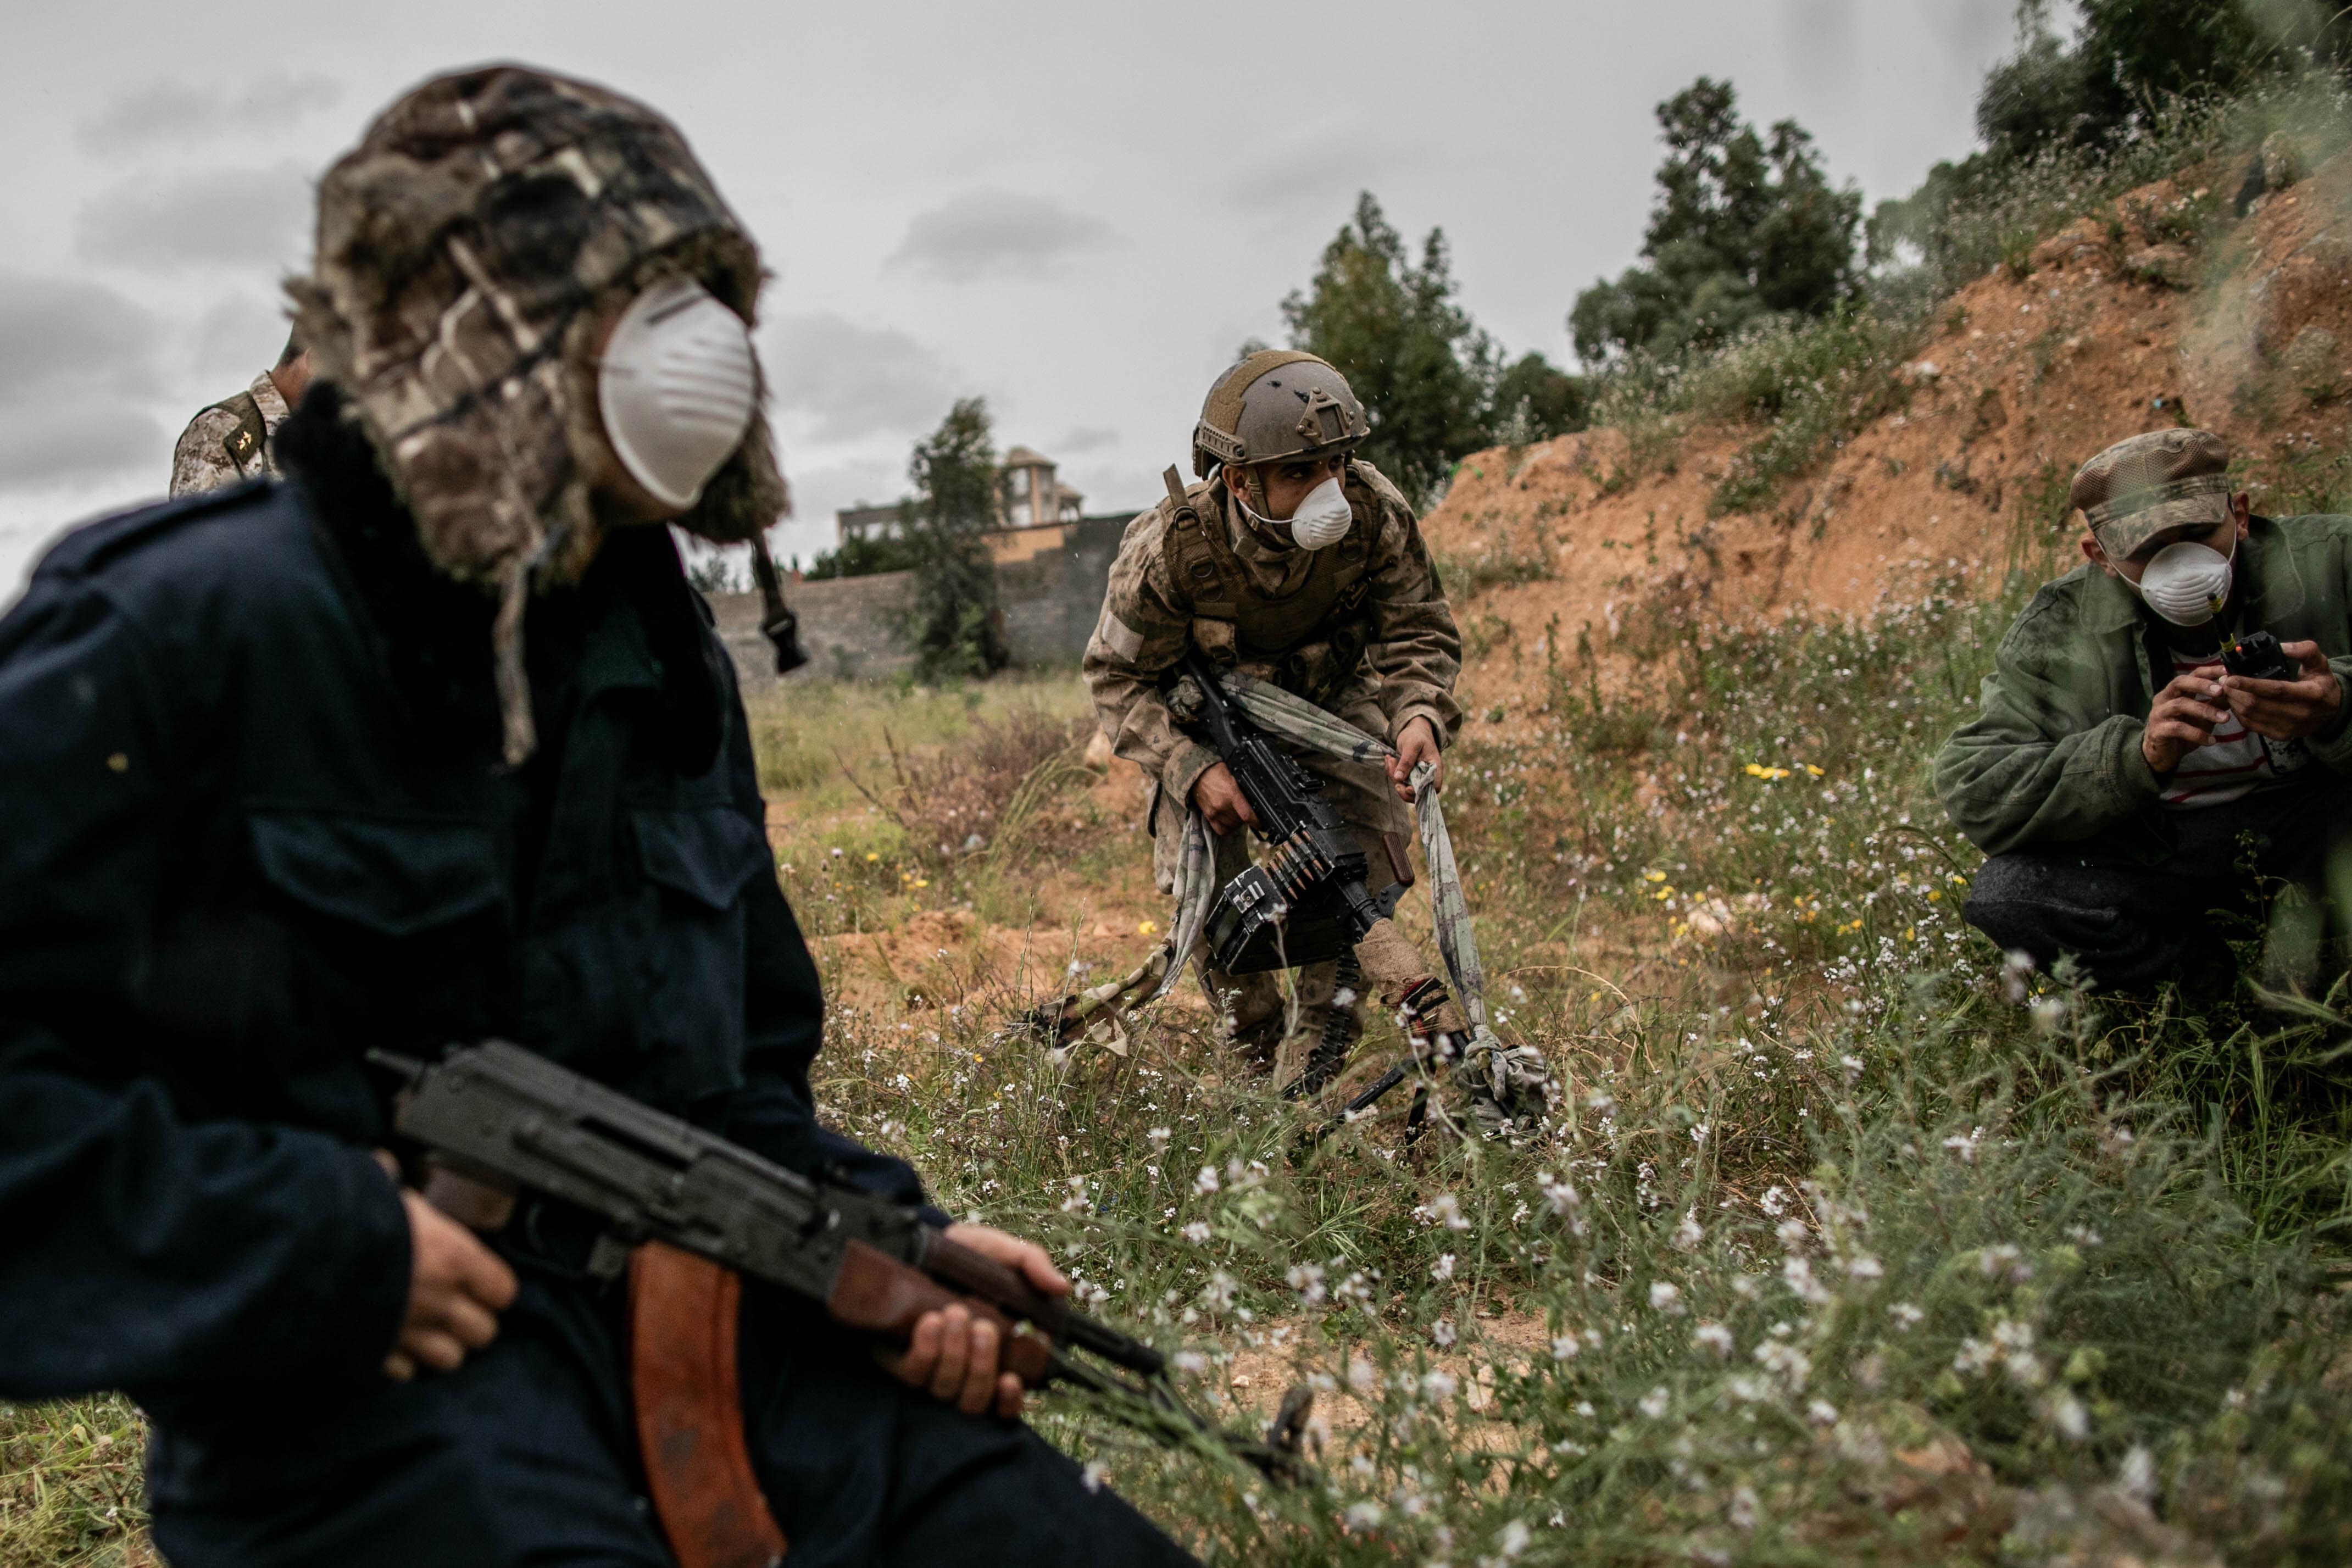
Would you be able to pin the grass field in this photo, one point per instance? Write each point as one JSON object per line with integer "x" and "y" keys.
{"x": 1848, "y": 1240}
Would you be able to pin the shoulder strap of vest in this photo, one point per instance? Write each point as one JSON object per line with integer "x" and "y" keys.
{"x": 244, "y": 444}
{"x": 1201, "y": 565}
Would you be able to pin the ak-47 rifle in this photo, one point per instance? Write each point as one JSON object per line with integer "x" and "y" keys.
{"x": 1309, "y": 903}
{"x": 506, "y": 1121}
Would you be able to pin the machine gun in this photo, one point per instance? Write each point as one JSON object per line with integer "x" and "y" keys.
{"x": 1309, "y": 903}
{"x": 505, "y": 1121}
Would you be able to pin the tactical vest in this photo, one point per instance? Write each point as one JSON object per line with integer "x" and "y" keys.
{"x": 248, "y": 446}
{"x": 1309, "y": 640}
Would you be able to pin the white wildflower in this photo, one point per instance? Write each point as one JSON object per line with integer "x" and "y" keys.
{"x": 1744, "y": 1507}
{"x": 1206, "y": 1181}
{"x": 1714, "y": 1337}
{"x": 2137, "y": 1475}
{"x": 1561, "y": 1196}
{"x": 1904, "y": 1314}
{"x": 1364, "y": 1515}
{"x": 1667, "y": 1299}
{"x": 1441, "y": 1332}
{"x": 1861, "y": 1265}
{"x": 2067, "y": 1414}
{"x": 1822, "y": 1413}
{"x": 1361, "y": 1378}
{"x": 1437, "y": 1386}
{"x": 1774, "y": 1203}
{"x": 1444, "y": 1209}
{"x": 1687, "y": 1234}
{"x": 1792, "y": 1233}
{"x": 1655, "y": 1403}
{"x": 1218, "y": 1293}
{"x": 1749, "y": 1390}
{"x": 1189, "y": 1361}
{"x": 1513, "y": 1539}
{"x": 1443, "y": 1269}
{"x": 1698, "y": 1134}
{"x": 1964, "y": 1144}
{"x": 2004, "y": 1262}
{"x": 1197, "y": 1232}
{"x": 1159, "y": 1136}
{"x": 1564, "y": 1347}
{"x": 1798, "y": 1275}
{"x": 1791, "y": 1363}
{"x": 1306, "y": 1279}
{"x": 1091, "y": 1477}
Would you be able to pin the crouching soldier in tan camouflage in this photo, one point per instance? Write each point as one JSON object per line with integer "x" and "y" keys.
{"x": 1303, "y": 566}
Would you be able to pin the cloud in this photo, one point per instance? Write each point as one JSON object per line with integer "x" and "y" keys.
{"x": 75, "y": 357}
{"x": 227, "y": 216}
{"x": 995, "y": 233}
{"x": 1305, "y": 172}
{"x": 850, "y": 381}
{"x": 169, "y": 110}
{"x": 85, "y": 438}
{"x": 1086, "y": 439}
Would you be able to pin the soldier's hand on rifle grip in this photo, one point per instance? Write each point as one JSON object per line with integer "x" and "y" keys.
{"x": 1222, "y": 806}
{"x": 1417, "y": 745}
{"x": 954, "y": 1354}
{"x": 456, "y": 1288}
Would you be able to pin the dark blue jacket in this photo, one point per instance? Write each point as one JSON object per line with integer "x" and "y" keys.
{"x": 252, "y": 825}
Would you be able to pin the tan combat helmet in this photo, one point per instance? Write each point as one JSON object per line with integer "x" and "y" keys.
{"x": 1277, "y": 404}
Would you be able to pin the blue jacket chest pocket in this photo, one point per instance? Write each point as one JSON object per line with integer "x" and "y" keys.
{"x": 386, "y": 925}
{"x": 696, "y": 862}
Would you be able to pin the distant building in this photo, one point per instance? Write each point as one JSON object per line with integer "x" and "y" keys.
{"x": 1033, "y": 508}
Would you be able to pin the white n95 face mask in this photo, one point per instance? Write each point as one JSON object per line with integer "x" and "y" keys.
{"x": 677, "y": 388}
{"x": 2183, "y": 582}
{"x": 1322, "y": 519}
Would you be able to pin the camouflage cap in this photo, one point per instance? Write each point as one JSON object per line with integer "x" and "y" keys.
{"x": 460, "y": 248}
{"x": 2138, "y": 488}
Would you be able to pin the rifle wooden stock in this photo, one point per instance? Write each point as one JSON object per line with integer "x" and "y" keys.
{"x": 876, "y": 1293}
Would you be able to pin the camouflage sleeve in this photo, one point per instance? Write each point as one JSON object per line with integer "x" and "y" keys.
{"x": 1415, "y": 648}
{"x": 1142, "y": 632}
{"x": 201, "y": 460}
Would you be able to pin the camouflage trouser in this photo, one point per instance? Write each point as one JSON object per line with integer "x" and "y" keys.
{"x": 1268, "y": 1027}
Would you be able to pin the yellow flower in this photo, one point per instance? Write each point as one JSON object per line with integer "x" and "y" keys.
{"x": 871, "y": 856}
{"x": 1145, "y": 928}
{"x": 1936, "y": 897}
{"x": 1813, "y": 770}
{"x": 1653, "y": 876}
{"x": 1663, "y": 894}
{"x": 922, "y": 882}
{"x": 1910, "y": 933}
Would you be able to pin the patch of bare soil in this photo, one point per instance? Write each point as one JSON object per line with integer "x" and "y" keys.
{"x": 2024, "y": 378}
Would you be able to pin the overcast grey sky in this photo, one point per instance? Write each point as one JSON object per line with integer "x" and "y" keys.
{"x": 1076, "y": 210}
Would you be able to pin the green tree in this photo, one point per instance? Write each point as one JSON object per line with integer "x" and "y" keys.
{"x": 1534, "y": 400}
{"x": 953, "y": 622}
{"x": 862, "y": 556}
{"x": 1745, "y": 227}
{"x": 2128, "y": 57}
{"x": 1394, "y": 330}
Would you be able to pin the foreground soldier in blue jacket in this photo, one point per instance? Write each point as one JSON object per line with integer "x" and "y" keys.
{"x": 432, "y": 743}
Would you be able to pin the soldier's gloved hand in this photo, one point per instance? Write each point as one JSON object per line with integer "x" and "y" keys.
{"x": 954, "y": 1354}
{"x": 456, "y": 1288}
{"x": 1417, "y": 745}
{"x": 1222, "y": 806}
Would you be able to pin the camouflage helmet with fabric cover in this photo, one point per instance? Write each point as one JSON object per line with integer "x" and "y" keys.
{"x": 1277, "y": 404}
{"x": 463, "y": 249}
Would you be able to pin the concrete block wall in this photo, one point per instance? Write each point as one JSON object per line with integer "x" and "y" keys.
{"x": 849, "y": 626}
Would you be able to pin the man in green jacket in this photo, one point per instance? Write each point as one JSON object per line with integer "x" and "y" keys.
{"x": 2121, "y": 782}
